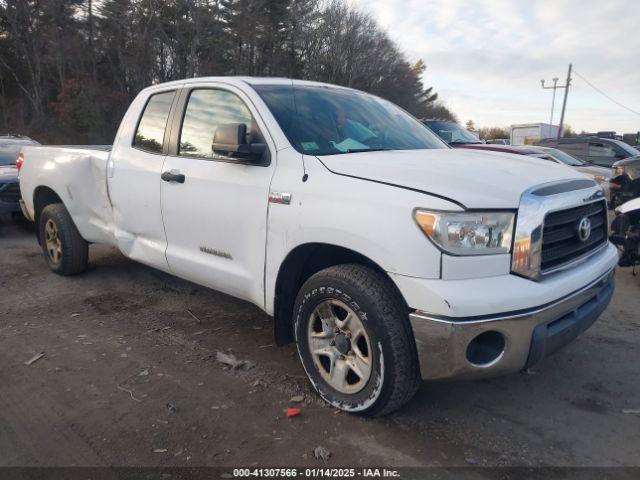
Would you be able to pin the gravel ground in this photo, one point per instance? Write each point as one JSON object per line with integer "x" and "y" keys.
{"x": 129, "y": 377}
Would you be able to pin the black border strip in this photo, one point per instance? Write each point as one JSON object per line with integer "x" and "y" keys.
{"x": 324, "y": 471}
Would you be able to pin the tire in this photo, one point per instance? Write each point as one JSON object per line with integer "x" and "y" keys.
{"x": 66, "y": 252}
{"x": 370, "y": 301}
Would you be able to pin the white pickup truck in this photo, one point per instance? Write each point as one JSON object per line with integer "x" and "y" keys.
{"x": 385, "y": 255}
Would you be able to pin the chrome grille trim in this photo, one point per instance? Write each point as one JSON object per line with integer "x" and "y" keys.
{"x": 534, "y": 208}
{"x": 560, "y": 242}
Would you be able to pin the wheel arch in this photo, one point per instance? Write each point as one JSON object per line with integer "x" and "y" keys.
{"x": 300, "y": 264}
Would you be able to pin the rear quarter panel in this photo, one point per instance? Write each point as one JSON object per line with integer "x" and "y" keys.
{"x": 77, "y": 176}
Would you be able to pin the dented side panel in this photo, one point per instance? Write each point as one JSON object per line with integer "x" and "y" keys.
{"x": 77, "y": 176}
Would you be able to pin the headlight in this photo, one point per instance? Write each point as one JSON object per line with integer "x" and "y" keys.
{"x": 468, "y": 233}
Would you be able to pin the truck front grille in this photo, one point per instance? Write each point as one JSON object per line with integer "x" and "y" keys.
{"x": 10, "y": 193}
{"x": 572, "y": 233}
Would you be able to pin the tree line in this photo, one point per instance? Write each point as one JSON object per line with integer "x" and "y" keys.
{"x": 69, "y": 68}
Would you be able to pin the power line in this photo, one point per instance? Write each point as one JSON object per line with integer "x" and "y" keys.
{"x": 604, "y": 94}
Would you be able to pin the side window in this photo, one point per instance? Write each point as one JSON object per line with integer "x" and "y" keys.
{"x": 601, "y": 150}
{"x": 150, "y": 133}
{"x": 208, "y": 109}
{"x": 576, "y": 149}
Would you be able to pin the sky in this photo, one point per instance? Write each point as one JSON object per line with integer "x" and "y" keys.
{"x": 485, "y": 58}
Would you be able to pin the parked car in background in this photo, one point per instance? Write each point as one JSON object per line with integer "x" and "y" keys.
{"x": 625, "y": 233}
{"x": 10, "y": 146}
{"x": 517, "y": 150}
{"x": 598, "y": 151}
{"x": 559, "y": 156}
{"x": 384, "y": 254}
{"x": 599, "y": 174}
{"x": 625, "y": 181}
{"x": 631, "y": 139}
{"x": 452, "y": 133}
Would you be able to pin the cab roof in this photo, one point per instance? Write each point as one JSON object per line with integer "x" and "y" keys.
{"x": 246, "y": 80}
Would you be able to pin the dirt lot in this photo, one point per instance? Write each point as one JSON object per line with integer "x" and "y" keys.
{"x": 129, "y": 377}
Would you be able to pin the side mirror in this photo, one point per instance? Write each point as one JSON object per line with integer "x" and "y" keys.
{"x": 231, "y": 140}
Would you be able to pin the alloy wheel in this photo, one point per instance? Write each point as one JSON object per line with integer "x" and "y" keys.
{"x": 340, "y": 346}
{"x": 52, "y": 241}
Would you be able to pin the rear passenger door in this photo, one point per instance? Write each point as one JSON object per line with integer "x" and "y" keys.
{"x": 134, "y": 172}
{"x": 215, "y": 216}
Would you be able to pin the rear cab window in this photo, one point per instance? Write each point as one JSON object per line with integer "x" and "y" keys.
{"x": 153, "y": 122}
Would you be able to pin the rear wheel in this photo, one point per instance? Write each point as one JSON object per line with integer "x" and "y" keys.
{"x": 355, "y": 341}
{"x": 65, "y": 251}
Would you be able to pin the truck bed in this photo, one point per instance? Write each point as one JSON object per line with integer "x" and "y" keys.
{"x": 76, "y": 174}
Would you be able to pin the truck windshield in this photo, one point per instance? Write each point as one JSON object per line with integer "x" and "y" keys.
{"x": 320, "y": 120}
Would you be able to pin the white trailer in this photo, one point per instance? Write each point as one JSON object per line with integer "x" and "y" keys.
{"x": 529, "y": 133}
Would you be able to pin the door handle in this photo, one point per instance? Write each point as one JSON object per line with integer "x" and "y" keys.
{"x": 172, "y": 176}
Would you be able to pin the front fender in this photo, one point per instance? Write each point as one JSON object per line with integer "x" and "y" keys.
{"x": 372, "y": 219}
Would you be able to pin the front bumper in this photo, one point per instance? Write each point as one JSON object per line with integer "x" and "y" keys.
{"x": 493, "y": 345}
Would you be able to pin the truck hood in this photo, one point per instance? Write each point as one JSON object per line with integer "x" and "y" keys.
{"x": 8, "y": 173}
{"x": 474, "y": 178}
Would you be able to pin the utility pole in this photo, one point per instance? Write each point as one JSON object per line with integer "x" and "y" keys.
{"x": 564, "y": 102}
{"x": 553, "y": 101}
{"x": 91, "y": 51}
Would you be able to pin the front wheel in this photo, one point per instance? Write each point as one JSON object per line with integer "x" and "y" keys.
{"x": 65, "y": 251}
{"x": 355, "y": 341}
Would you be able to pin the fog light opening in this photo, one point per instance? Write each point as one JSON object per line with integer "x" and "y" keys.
{"x": 486, "y": 348}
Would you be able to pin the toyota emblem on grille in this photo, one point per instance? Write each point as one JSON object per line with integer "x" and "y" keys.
{"x": 584, "y": 229}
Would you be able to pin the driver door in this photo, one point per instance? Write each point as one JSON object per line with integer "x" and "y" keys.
{"x": 214, "y": 207}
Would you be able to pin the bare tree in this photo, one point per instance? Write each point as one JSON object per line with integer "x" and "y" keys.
{"x": 70, "y": 67}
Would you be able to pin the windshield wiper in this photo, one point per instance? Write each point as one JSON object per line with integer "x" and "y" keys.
{"x": 358, "y": 150}
{"x": 355, "y": 150}
{"x": 463, "y": 142}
